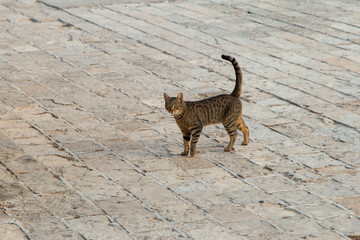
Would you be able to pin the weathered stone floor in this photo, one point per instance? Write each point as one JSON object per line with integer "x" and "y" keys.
{"x": 87, "y": 150}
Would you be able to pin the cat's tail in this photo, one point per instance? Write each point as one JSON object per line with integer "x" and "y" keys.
{"x": 237, "y": 90}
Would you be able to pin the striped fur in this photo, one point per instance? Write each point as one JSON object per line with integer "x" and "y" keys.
{"x": 191, "y": 117}
{"x": 238, "y": 74}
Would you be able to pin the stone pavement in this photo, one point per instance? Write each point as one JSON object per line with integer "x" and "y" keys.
{"x": 87, "y": 150}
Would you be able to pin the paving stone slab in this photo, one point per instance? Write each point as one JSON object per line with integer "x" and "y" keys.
{"x": 10, "y": 231}
{"x": 100, "y": 228}
{"x": 87, "y": 149}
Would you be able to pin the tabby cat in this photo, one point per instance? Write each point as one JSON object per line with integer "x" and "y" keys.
{"x": 191, "y": 117}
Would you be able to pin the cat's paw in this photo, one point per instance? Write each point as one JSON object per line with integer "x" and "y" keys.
{"x": 227, "y": 149}
{"x": 184, "y": 153}
{"x": 244, "y": 143}
{"x": 192, "y": 153}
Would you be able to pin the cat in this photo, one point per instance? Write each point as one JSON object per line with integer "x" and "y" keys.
{"x": 191, "y": 117}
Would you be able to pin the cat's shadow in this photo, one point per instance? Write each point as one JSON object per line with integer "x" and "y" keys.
{"x": 217, "y": 148}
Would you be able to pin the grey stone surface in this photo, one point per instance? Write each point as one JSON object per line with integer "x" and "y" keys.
{"x": 90, "y": 3}
{"x": 87, "y": 150}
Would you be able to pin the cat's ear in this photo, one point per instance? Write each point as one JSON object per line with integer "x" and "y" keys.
{"x": 166, "y": 96}
{"x": 180, "y": 97}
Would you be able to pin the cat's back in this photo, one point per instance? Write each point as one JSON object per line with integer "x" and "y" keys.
{"x": 212, "y": 110}
{"x": 222, "y": 100}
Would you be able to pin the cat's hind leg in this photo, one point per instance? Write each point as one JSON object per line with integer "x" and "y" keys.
{"x": 244, "y": 129}
{"x": 230, "y": 128}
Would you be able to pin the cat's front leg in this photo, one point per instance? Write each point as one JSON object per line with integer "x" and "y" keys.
{"x": 187, "y": 138}
{"x": 195, "y": 135}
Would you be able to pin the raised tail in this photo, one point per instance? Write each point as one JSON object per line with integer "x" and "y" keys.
{"x": 237, "y": 90}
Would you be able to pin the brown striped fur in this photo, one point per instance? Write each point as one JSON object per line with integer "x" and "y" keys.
{"x": 191, "y": 117}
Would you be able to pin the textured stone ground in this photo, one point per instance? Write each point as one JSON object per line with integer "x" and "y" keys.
{"x": 87, "y": 150}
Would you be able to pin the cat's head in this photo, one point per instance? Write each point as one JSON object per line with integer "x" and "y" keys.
{"x": 175, "y": 105}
